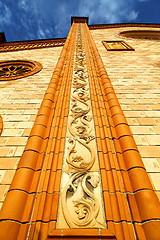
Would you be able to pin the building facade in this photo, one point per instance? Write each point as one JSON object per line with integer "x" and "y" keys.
{"x": 80, "y": 134}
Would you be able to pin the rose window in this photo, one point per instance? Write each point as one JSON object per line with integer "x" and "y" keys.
{"x": 10, "y": 70}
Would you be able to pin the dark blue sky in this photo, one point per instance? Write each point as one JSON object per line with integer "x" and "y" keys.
{"x": 40, "y": 19}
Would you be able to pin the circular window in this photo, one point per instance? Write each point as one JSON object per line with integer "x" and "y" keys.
{"x": 142, "y": 34}
{"x": 10, "y": 70}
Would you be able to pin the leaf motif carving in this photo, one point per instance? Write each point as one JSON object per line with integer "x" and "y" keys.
{"x": 80, "y": 206}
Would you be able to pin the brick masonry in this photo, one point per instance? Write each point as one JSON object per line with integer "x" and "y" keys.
{"x": 19, "y": 103}
{"x": 135, "y": 78}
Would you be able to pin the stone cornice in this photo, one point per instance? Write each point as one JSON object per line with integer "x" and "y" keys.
{"x": 28, "y": 45}
{"x": 105, "y": 26}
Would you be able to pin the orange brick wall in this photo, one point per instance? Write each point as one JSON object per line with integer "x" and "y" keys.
{"x": 135, "y": 78}
{"x": 19, "y": 103}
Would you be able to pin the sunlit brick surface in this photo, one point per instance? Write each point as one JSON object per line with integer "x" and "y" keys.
{"x": 19, "y": 103}
{"x": 135, "y": 77}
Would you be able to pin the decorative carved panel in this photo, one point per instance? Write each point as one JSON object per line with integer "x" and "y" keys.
{"x": 81, "y": 198}
{"x": 117, "y": 46}
{"x": 11, "y": 70}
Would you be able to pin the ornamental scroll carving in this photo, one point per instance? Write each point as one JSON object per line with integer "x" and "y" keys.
{"x": 80, "y": 206}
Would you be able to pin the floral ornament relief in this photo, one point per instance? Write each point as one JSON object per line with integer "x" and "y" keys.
{"x": 80, "y": 207}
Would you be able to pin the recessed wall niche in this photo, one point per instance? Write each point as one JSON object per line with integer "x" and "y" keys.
{"x": 117, "y": 46}
{"x": 141, "y": 34}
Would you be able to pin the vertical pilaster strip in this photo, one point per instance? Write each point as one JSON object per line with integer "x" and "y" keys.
{"x": 117, "y": 215}
{"x": 35, "y": 187}
{"x": 143, "y": 202}
{"x": 46, "y": 205}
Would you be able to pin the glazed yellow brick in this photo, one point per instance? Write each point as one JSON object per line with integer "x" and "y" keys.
{"x": 156, "y": 180}
{"x": 3, "y": 191}
{"x": 7, "y": 151}
{"x": 8, "y": 176}
{"x": 9, "y": 163}
{"x": 153, "y": 140}
{"x": 19, "y": 151}
{"x": 149, "y": 151}
{"x": 142, "y": 130}
{"x": 152, "y": 164}
{"x": 148, "y": 121}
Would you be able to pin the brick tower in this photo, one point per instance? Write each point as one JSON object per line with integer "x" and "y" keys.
{"x": 80, "y": 173}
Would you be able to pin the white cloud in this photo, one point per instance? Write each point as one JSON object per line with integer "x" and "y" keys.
{"x": 109, "y": 11}
{"x": 41, "y": 33}
{"x": 23, "y": 5}
{"x": 132, "y": 15}
{"x": 99, "y": 11}
{"x": 51, "y": 18}
{"x": 5, "y": 14}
